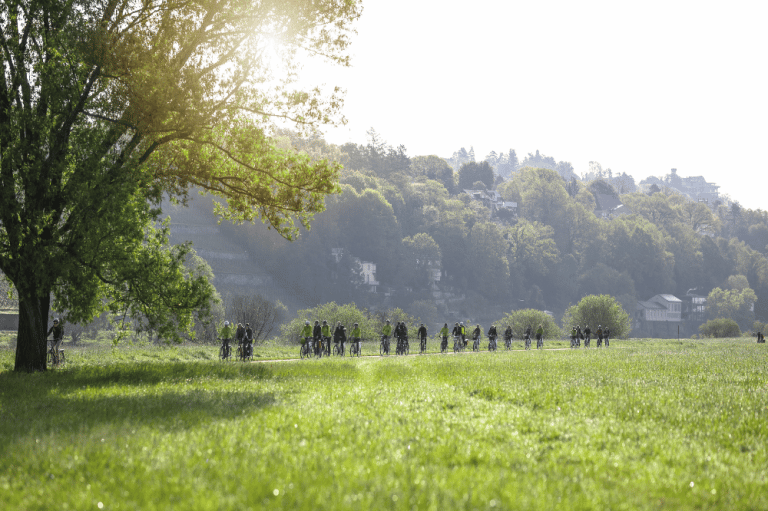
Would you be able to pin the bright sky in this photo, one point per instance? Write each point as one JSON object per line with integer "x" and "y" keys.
{"x": 640, "y": 87}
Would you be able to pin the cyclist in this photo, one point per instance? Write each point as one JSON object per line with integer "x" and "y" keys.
{"x": 477, "y": 333}
{"x": 587, "y": 335}
{"x": 540, "y": 336}
{"x": 579, "y": 336}
{"x": 422, "y": 333}
{"x": 508, "y": 336}
{"x": 338, "y": 334}
{"x": 463, "y": 333}
{"x": 317, "y": 334}
{"x": 444, "y": 334}
{"x": 306, "y": 333}
{"x": 240, "y": 336}
{"x": 249, "y": 339}
{"x": 58, "y": 335}
{"x": 386, "y": 331}
{"x": 325, "y": 338}
{"x": 492, "y": 337}
{"x": 226, "y": 336}
{"x": 341, "y": 338}
{"x": 599, "y": 334}
{"x": 527, "y": 336}
{"x": 606, "y": 334}
{"x": 573, "y": 337}
{"x": 356, "y": 335}
{"x": 403, "y": 336}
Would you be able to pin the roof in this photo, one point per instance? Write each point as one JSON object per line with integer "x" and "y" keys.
{"x": 608, "y": 201}
{"x": 649, "y": 305}
{"x": 669, "y": 298}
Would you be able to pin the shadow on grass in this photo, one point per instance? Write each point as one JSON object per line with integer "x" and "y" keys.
{"x": 80, "y": 399}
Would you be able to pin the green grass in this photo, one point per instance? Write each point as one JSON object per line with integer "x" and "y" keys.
{"x": 642, "y": 425}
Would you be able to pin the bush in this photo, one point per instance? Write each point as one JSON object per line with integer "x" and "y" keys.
{"x": 520, "y": 320}
{"x": 594, "y": 310}
{"x": 348, "y": 314}
{"x": 721, "y": 327}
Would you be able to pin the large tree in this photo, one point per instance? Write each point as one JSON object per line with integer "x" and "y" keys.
{"x": 105, "y": 105}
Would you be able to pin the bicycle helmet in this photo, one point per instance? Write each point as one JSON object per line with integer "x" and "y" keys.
{"x": 306, "y": 322}
{"x": 325, "y": 322}
{"x": 355, "y": 324}
{"x": 226, "y": 323}
{"x": 56, "y": 320}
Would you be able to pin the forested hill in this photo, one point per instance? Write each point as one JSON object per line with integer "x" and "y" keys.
{"x": 543, "y": 240}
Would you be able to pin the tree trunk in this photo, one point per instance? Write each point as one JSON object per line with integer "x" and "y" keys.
{"x": 31, "y": 346}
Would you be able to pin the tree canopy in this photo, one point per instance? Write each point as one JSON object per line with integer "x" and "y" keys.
{"x": 107, "y": 105}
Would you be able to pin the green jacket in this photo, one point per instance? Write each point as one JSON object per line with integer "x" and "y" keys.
{"x": 387, "y": 330}
{"x": 444, "y": 331}
{"x": 306, "y": 331}
{"x": 326, "y": 331}
{"x": 356, "y": 332}
{"x": 226, "y": 332}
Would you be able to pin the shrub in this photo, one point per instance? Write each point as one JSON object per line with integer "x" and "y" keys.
{"x": 521, "y": 319}
{"x": 594, "y": 310}
{"x": 721, "y": 327}
{"x": 348, "y": 314}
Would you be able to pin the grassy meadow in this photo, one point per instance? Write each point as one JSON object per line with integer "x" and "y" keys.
{"x": 642, "y": 425}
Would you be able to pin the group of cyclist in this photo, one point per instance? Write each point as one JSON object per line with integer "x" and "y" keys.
{"x": 321, "y": 339}
{"x": 317, "y": 339}
{"x": 601, "y": 334}
{"x": 243, "y": 334}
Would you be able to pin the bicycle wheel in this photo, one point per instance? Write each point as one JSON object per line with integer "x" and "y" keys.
{"x": 222, "y": 353}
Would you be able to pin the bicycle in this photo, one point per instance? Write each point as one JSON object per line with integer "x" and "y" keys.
{"x": 527, "y": 342}
{"x": 606, "y": 341}
{"x": 444, "y": 345}
{"x": 458, "y": 344}
{"x": 586, "y": 342}
{"x": 400, "y": 346}
{"x": 225, "y": 352}
{"x": 492, "y": 344}
{"x": 573, "y": 342}
{"x": 55, "y": 357}
{"x": 245, "y": 351}
{"x": 599, "y": 342}
{"x": 423, "y": 346}
{"x": 539, "y": 342}
{"x": 338, "y": 349}
{"x": 476, "y": 344}
{"x": 307, "y": 348}
{"x": 508, "y": 343}
{"x": 354, "y": 348}
{"x": 327, "y": 345}
{"x": 384, "y": 345}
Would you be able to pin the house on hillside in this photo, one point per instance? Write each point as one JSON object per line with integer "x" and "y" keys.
{"x": 661, "y": 316}
{"x": 609, "y": 206}
{"x": 493, "y": 200}
{"x": 367, "y": 269}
